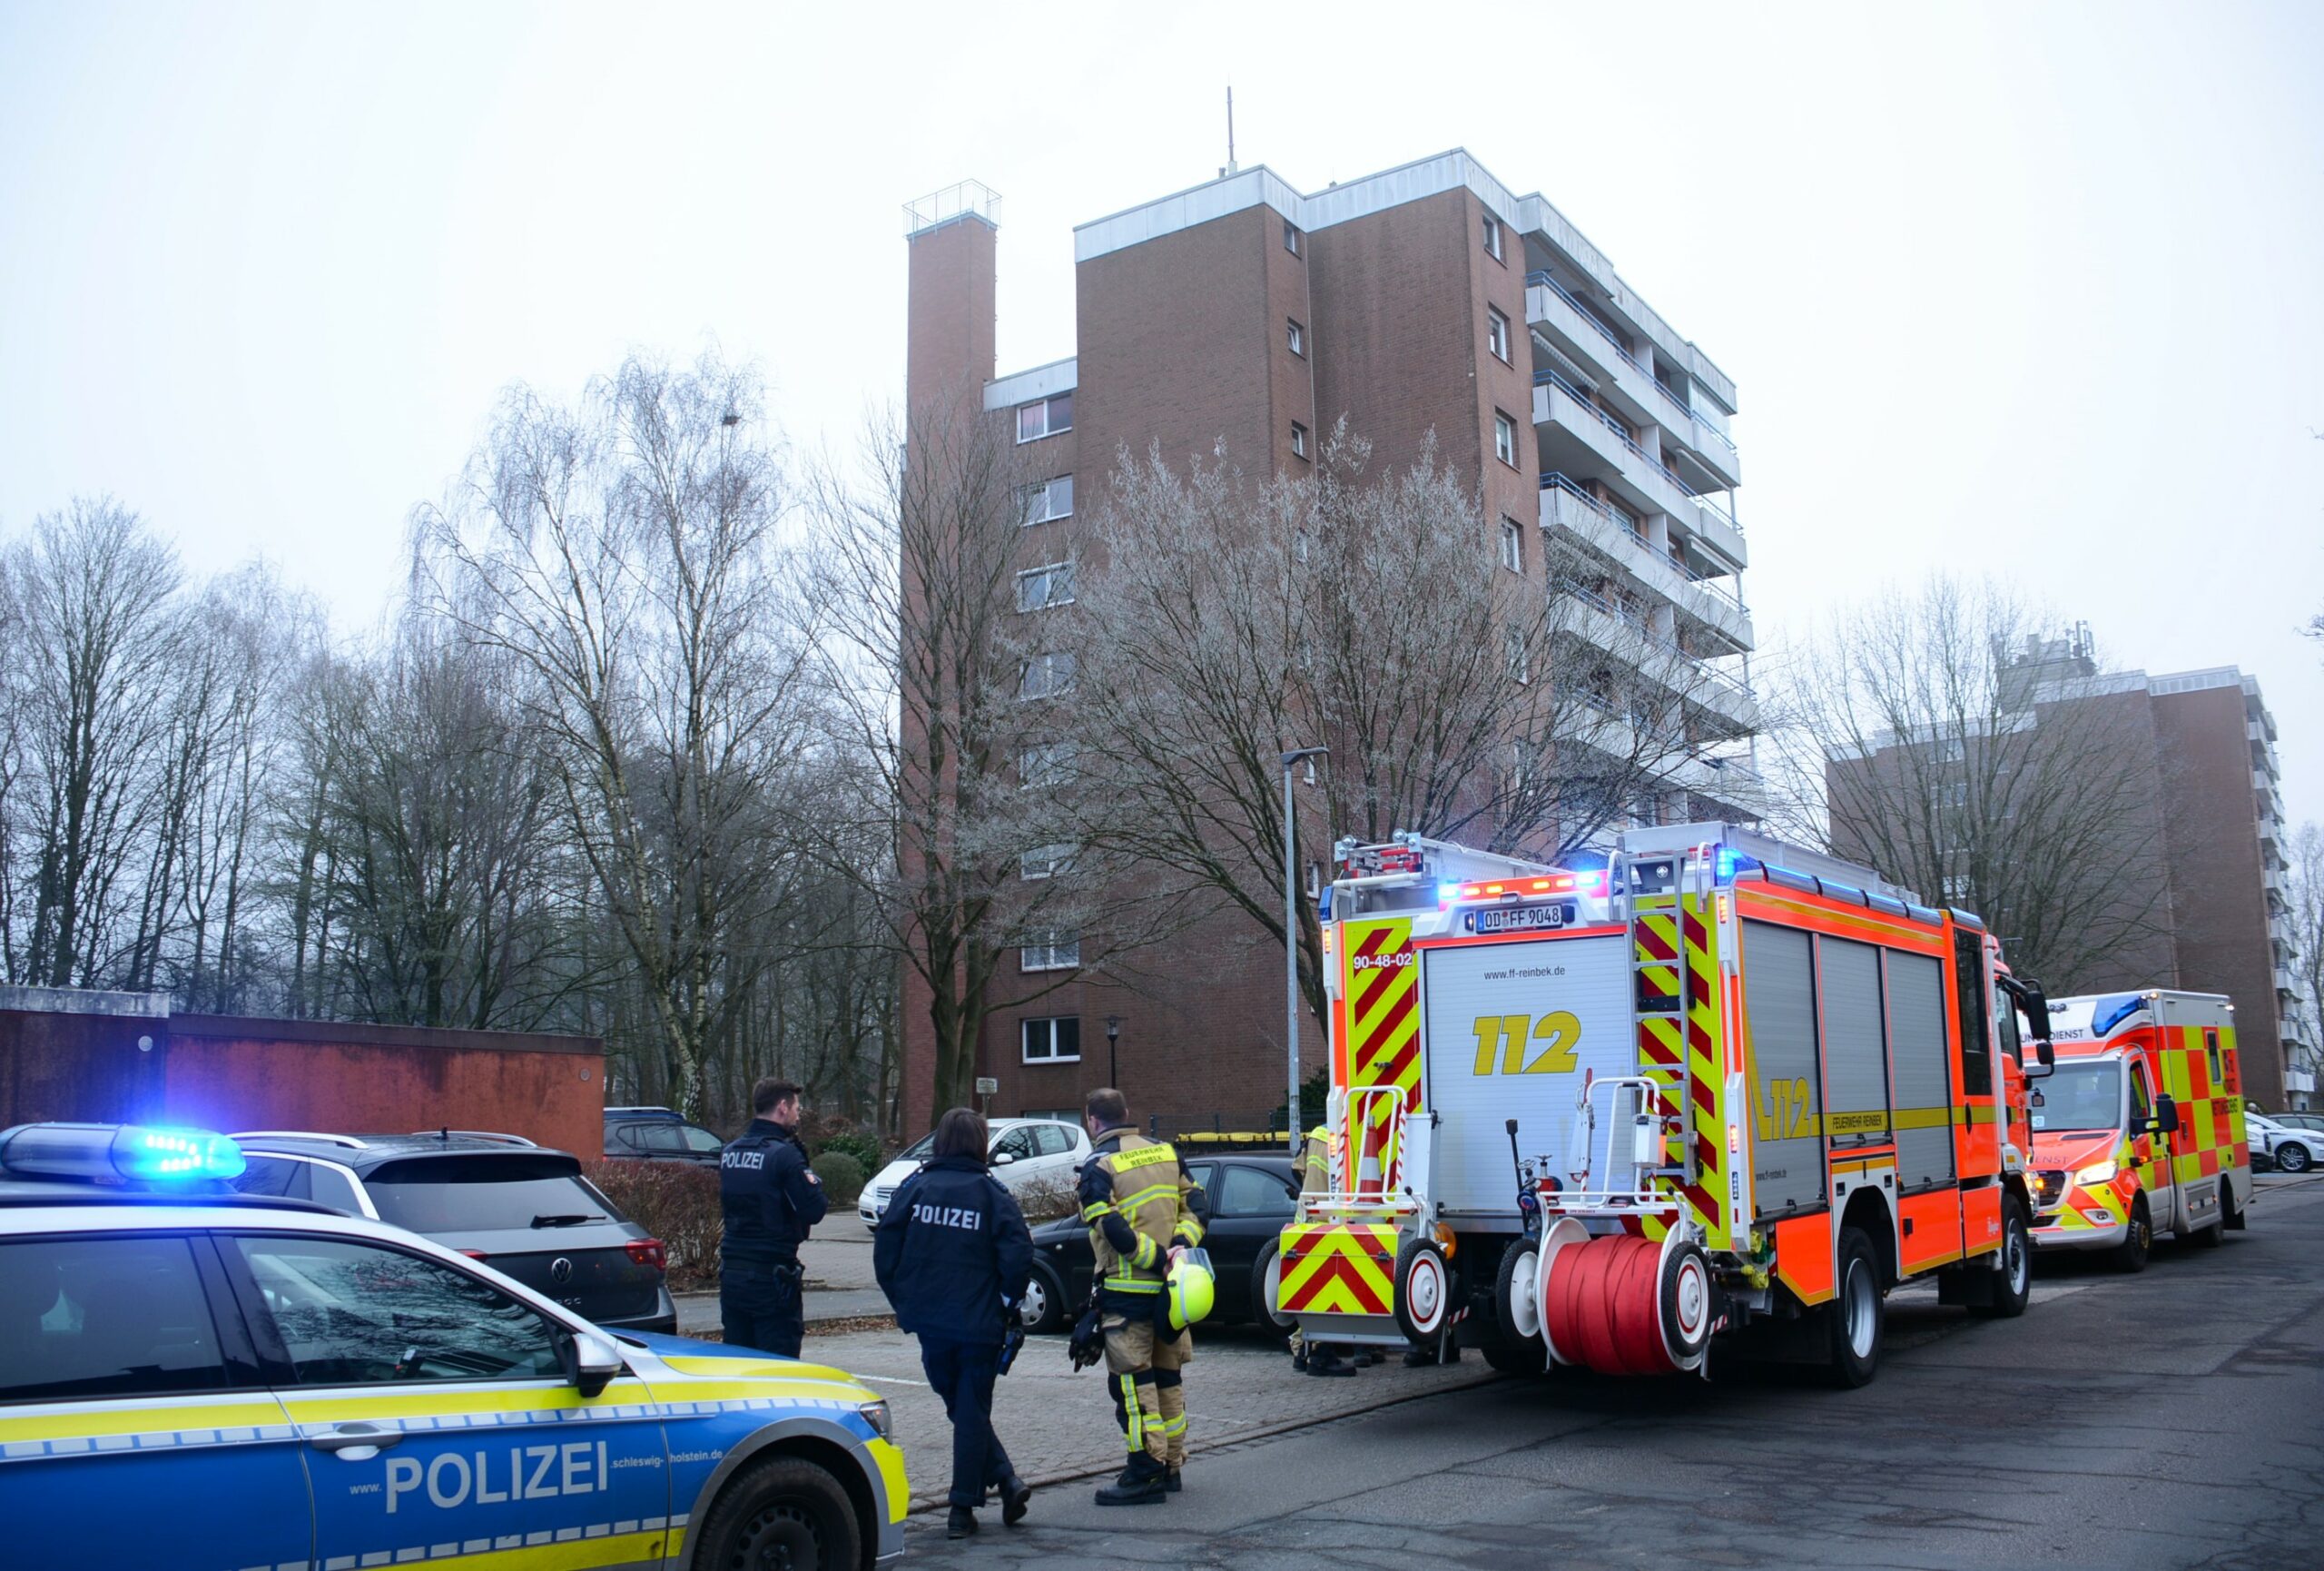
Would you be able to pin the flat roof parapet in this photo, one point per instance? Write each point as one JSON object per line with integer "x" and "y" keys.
{"x": 86, "y": 1001}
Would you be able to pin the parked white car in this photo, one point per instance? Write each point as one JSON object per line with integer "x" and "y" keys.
{"x": 2288, "y": 1149}
{"x": 1024, "y": 1150}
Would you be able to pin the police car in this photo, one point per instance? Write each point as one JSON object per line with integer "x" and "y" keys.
{"x": 194, "y": 1379}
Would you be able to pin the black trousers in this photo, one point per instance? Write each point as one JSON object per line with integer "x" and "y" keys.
{"x": 963, "y": 1373}
{"x": 759, "y": 1305}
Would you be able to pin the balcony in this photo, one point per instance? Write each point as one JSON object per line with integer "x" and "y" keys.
{"x": 1712, "y": 603}
{"x": 1718, "y": 701}
{"x": 1551, "y": 307}
{"x": 1606, "y": 446}
{"x": 2283, "y": 980}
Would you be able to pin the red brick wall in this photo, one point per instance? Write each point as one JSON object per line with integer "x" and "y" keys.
{"x": 228, "y": 1073}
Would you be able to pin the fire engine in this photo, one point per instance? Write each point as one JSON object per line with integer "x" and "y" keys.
{"x": 1722, "y": 1089}
{"x": 2140, "y": 1131}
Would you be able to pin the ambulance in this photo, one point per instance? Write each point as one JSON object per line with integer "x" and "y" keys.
{"x": 1723, "y": 1092}
{"x": 2140, "y": 1131}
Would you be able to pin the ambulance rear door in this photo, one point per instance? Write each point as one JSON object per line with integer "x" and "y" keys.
{"x": 1512, "y": 1028}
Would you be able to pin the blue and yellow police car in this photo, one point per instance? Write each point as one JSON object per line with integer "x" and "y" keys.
{"x": 193, "y": 1378}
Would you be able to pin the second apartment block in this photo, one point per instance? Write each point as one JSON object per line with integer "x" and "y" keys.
{"x": 1245, "y": 315}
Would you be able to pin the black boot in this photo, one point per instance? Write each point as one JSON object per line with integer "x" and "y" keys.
{"x": 960, "y": 1523}
{"x": 1016, "y": 1500}
{"x": 1141, "y": 1484}
{"x": 1172, "y": 1483}
{"x": 1323, "y": 1363}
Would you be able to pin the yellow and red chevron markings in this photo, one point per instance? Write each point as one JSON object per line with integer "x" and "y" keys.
{"x": 1339, "y": 1269}
{"x": 1382, "y": 991}
{"x": 1677, "y": 956}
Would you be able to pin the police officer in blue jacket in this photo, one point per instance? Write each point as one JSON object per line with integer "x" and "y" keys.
{"x": 953, "y": 1254}
{"x": 770, "y": 1197}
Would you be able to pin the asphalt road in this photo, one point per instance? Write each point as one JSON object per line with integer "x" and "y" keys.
{"x": 2174, "y": 1418}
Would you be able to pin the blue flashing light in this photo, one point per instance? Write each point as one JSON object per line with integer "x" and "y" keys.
{"x": 161, "y": 1154}
{"x": 1446, "y": 893}
{"x": 1723, "y": 865}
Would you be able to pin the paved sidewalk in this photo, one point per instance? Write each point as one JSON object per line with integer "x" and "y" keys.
{"x": 1058, "y": 1425}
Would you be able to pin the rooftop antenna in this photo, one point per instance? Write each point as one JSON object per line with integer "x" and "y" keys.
{"x": 1231, "y": 167}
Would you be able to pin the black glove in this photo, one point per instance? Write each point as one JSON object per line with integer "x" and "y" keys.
{"x": 1088, "y": 1343}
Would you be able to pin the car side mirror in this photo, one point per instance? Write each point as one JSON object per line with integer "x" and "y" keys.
{"x": 591, "y": 1363}
{"x": 1003, "y": 1158}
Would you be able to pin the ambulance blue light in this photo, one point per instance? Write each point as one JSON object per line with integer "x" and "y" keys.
{"x": 176, "y": 1154}
{"x": 1723, "y": 866}
{"x": 1446, "y": 893}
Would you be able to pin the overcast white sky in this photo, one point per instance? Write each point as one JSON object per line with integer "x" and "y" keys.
{"x": 2033, "y": 289}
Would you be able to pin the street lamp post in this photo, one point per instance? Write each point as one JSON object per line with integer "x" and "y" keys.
{"x": 1291, "y": 940}
{"x": 1113, "y": 1036}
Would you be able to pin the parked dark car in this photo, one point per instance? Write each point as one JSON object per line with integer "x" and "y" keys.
{"x": 498, "y": 1198}
{"x": 1248, "y": 1198}
{"x": 659, "y": 1134}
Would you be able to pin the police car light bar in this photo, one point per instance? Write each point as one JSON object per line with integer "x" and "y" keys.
{"x": 111, "y": 1152}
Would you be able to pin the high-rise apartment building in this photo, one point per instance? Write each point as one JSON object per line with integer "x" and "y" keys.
{"x": 1427, "y": 299}
{"x": 2201, "y": 803}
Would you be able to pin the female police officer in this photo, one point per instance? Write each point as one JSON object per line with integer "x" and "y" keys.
{"x": 952, "y": 1254}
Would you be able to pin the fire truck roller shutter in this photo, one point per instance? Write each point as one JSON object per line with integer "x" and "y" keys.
{"x": 1511, "y": 1029}
{"x": 1924, "y": 1082}
{"x": 1855, "y": 1057}
{"x": 1786, "y": 1099}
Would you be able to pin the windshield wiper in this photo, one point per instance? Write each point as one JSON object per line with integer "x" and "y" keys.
{"x": 567, "y": 1222}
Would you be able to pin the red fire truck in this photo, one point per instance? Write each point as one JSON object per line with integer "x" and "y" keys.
{"x": 1722, "y": 1090}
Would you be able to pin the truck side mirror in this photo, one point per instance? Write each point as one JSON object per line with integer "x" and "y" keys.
{"x": 2166, "y": 1116}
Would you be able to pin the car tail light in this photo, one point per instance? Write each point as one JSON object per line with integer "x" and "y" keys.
{"x": 648, "y": 1253}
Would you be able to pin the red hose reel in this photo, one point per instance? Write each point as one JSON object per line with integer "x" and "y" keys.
{"x": 1622, "y": 1304}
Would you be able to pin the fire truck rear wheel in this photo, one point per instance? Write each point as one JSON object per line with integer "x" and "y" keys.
{"x": 1517, "y": 1299}
{"x": 2130, "y": 1254}
{"x": 1856, "y": 1317}
{"x": 2013, "y": 1288}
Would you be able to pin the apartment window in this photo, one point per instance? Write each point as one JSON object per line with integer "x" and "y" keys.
{"x": 1314, "y": 880}
{"x": 1048, "y": 500}
{"x": 1046, "y": 676}
{"x": 1521, "y": 663}
{"x": 1492, "y": 238}
{"x": 1308, "y": 766}
{"x": 1045, "y": 861}
{"x": 1038, "y": 588}
{"x": 1298, "y": 439}
{"x": 1290, "y": 238}
{"x": 1049, "y": 949}
{"x": 1512, "y": 545}
{"x": 1298, "y": 336}
{"x": 1504, "y": 438}
{"x": 1044, "y": 417}
{"x": 1056, "y": 1040}
{"x": 1047, "y": 763}
{"x": 1497, "y": 334}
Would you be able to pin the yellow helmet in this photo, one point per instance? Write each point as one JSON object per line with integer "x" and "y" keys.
{"x": 1192, "y": 1288}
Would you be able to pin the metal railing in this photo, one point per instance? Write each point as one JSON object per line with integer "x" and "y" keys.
{"x": 1586, "y": 314}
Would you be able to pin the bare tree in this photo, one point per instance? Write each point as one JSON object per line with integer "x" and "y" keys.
{"x": 1986, "y": 772}
{"x": 100, "y": 634}
{"x": 948, "y": 679}
{"x": 625, "y": 556}
{"x": 1228, "y": 621}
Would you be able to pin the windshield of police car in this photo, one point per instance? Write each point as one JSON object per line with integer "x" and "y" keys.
{"x": 2080, "y": 1096}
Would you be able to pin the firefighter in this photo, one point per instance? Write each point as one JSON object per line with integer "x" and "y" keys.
{"x": 770, "y": 1197}
{"x": 1316, "y": 1179}
{"x": 1140, "y": 1208}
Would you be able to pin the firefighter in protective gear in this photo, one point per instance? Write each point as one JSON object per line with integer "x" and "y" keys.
{"x": 1139, "y": 1206}
{"x": 1316, "y": 1179}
